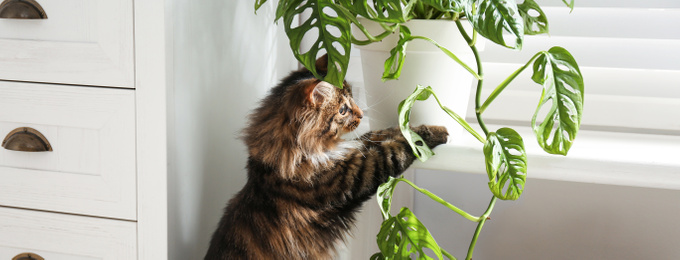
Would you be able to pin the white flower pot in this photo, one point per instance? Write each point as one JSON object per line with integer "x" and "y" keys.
{"x": 425, "y": 65}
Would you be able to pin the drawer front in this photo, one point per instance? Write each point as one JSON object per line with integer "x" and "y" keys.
{"x": 91, "y": 168}
{"x": 54, "y": 236}
{"x": 88, "y": 42}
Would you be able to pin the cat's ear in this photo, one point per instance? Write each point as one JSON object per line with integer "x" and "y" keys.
{"x": 322, "y": 63}
{"x": 318, "y": 92}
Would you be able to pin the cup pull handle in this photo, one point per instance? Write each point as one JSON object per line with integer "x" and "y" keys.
{"x": 28, "y": 256}
{"x": 26, "y": 139}
{"x": 22, "y": 9}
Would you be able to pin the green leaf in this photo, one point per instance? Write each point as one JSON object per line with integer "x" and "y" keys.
{"x": 491, "y": 18}
{"x": 445, "y": 5}
{"x": 258, "y": 4}
{"x": 506, "y": 163}
{"x": 384, "y": 196}
{"x": 385, "y": 11}
{"x": 325, "y": 17}
{"x": 563, "y": 88}
{"x": 533, "y": 24}
{"x": 378, "y": 256}
{"x": 569, "y": 3}
{"x": 418, "y": 145}
{"x": 404, "y": 235}
{"x": 285, "y": 6}
{"x": 420, "y": 148}
{"x": 395, "y": 62}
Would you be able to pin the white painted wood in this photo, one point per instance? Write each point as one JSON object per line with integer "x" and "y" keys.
{"x": 88, "y": 42}
{"x": 601, "y": 112}
{"x": 650, "y": 23}
{"x": 92, "y": 168}
{"x": 57, "y": 236}
{"x": 635, "y": 160}
{"x": 153, "y": 68}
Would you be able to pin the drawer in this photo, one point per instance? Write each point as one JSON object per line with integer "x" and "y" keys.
{"x": 84, "y": 42}
{"x": 55, "y": 236}
{"x": 91, "y": 168}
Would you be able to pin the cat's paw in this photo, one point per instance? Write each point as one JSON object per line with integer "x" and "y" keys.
{"x": 432, "y": 134}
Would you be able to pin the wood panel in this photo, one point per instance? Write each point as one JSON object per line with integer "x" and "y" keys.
{"x": 56, "y": 236}
{"x": 88, "y": 42}
{"x": 91, "y": 169}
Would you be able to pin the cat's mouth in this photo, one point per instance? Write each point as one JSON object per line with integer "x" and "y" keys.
{"x": 353, "y": 125}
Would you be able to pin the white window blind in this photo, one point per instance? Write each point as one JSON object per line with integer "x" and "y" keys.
{"x": 629, "y": 55}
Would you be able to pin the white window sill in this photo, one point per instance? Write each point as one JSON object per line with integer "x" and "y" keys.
{"x": 639, "y": 160}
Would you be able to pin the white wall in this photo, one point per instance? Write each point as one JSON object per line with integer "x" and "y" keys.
{"x": 225, "y": 59}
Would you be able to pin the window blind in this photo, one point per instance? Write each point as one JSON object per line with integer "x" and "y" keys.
{"x": 628, "y": 53}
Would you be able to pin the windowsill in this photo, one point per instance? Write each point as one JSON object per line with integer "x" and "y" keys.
{"x": 639, "y": 160}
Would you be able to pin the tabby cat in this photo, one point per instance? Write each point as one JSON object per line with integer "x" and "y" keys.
{"x": 305, "y": 184}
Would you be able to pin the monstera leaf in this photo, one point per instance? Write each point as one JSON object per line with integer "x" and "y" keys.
{"x": 395, "y": 62}
{"x": 491, "y": 18}
{"x": 384, "y": 196}
{"x": 384, "y": 11}
{"x": 506, "y": 163}
{"x": 326, "y": 19}
{"x": 445, "y": 5}
{"x": 259, "y": 3}
{"x": 562, "y": 83}
{"x": 420, "y": 149}
{"x": 404, "y": 235}
{"x": 533, "y": 24}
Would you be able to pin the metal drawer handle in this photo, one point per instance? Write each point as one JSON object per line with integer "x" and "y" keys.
{"x": 22, "y": 9}
{"x": 26, "y": 139}
{"x": 28, "y": 256}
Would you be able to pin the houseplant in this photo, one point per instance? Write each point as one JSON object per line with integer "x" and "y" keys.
{"x": 504, "y": 22}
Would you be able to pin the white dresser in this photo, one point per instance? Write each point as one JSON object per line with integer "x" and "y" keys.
{"x": 85, "y": 90}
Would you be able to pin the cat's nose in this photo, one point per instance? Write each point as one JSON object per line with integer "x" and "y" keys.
{"x": 358, "y": 113}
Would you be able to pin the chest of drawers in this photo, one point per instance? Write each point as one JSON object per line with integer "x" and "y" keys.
{"x": 86, "y": 87}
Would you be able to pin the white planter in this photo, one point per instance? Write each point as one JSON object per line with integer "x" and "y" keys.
{"x": 425, "y": 65}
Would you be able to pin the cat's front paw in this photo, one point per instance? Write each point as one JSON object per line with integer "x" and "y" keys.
{"x": 432, "y": 134}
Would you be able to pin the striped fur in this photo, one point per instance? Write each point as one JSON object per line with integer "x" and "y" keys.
{"x": 305, "y": 183}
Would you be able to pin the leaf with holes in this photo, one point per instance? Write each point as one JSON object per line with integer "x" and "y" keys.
{"x": 445, "y": 5}
{"x": 506, "y": 163}
{"x": 533, "y": 24}
{"x": 384, "y": 196}
{"x": 384, "y": 11}
{"x": 562, "y": 83}
{"x": 491, "y": 18}
{"x": 420, "y": 148}
{"x": 334, "y": 35}
{"x": 409, "y": 235}
{"x": 395, "y": 62}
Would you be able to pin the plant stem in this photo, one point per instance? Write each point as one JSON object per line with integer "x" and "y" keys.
{"x": 478, "y": 100}
{"x": 480, "y": 81}
{"x": 448, "y": 255}
{"x": 479, "y": 228}
{"x": 443, "y": 202}
{"x": 504, "y": 84}
{"x": 459, "y": 119}
{"x": 370, "y": 38}
{"x": 450, "y": 54}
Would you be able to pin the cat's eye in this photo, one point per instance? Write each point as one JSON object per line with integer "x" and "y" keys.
{"x": 343, "y": 109}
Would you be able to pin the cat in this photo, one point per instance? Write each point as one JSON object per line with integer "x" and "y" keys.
{"x": 305, "y": 183}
